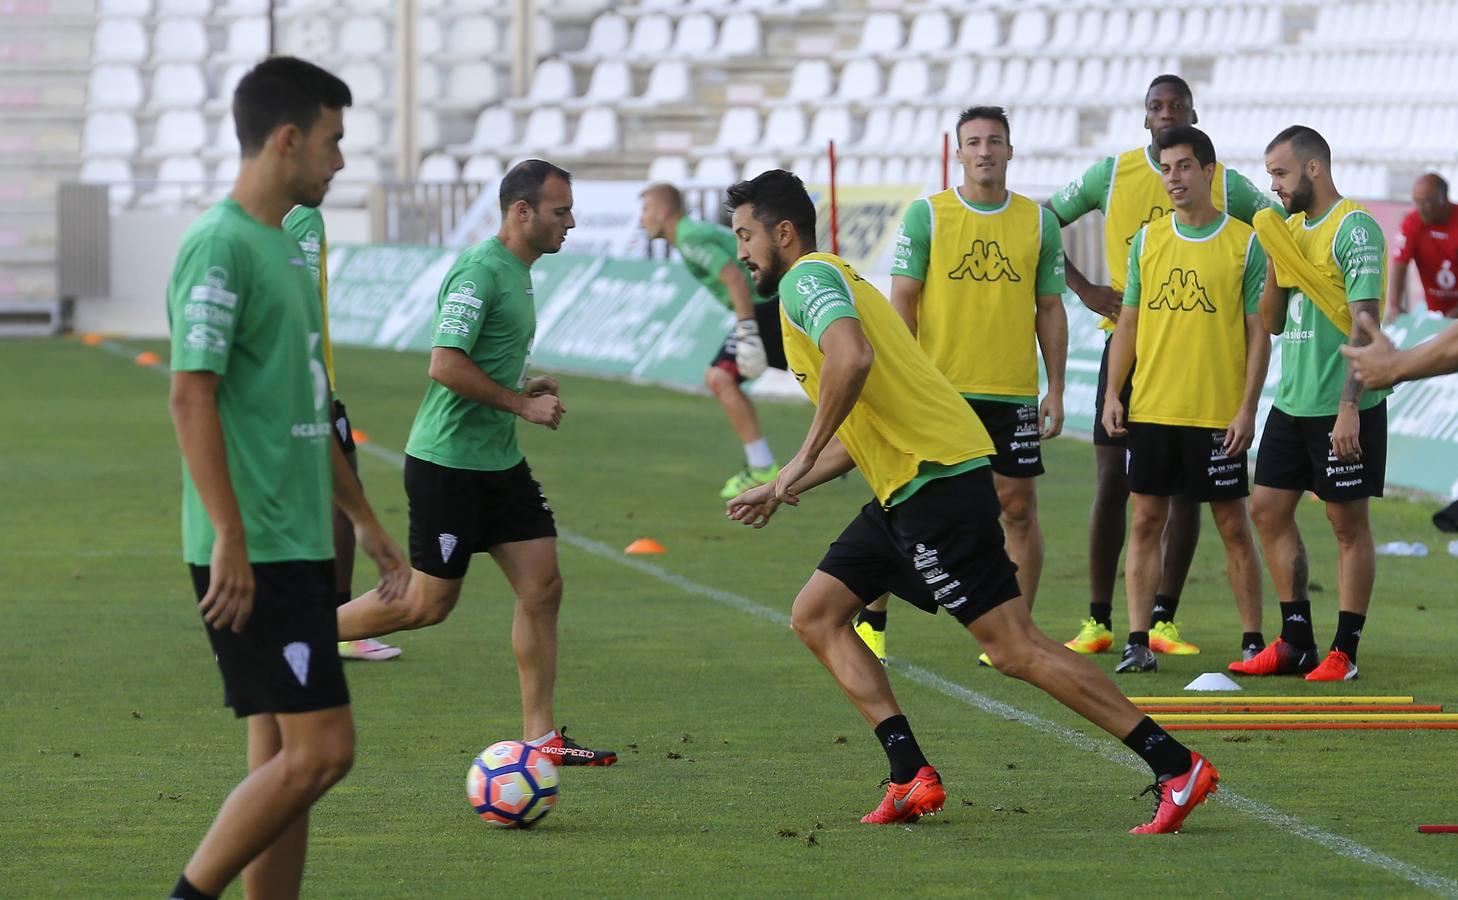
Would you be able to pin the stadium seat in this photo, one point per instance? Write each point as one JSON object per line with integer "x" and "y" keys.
{"x": 241, "y": 8}
{"x": 1166, "y": 28}
{"x": 545, "y": 129}
{"x": 438, "y": 168}
{"x": 179, "y": 179}
{"x": 307, "y": 38}
{"x": 109, "y": 134}
{"x": 472, "y": 38}
{"x": 860, "y": 80}
{"x": 670, "y": 169}
{"x": 227, "y": 82}
{"x": 1108, "y": 30}
{"x": 119, "y": 40}
{"x": 1029, "y": 30}
{"x": 366, "y": 82}
{"x": 652, "y": 37}
{"x": 931, "y": 33}
{"x": 352, "y": 185}
{"x": 429, "y": 90}
{"x": 110, "y": 171}
{"x": 1141, "y": 30}
{"x": 847, "y": 171}
{"x": 811, "y": 80}
{"x": 363, "y": 132}
{"x": 114, "y": 87}
{"x": 959, "y": 83}
{"x": 607, "y": 38}
{"x": 784, "y": 129}
{"x": 108, "y": 9}
{"x": 363, "y": 37}
{"x": 899, "y": 130}
{"x": 1194, "y": 25}
{"x": 738, "y": 129}
{"x": 740, "y": 35}
{"x": 1037, "y": 82}
{"x": 757, "y": 165}
{"x": 247, "y": 40}
{"x": 610, "y": 84}
{"x": 1088, "y": 84}
{"x": 872, "y": 172}
{"x": 226, "y": 172}
{"x": 831, "y": 124}
{"x": 881, "y": 33}
{"x": 718, "y": 171}
{"x": 180, "y": 40}
{"x": 225, "y": 140}
{"x": 469, "y": 87}
{"x": 695, "y": 36}
{"x": 481, "y": 168}
{"x": 179, "y": 132}
{"x": 495, "y": 130}
{"x": 1015, "y": 77}
{"x": 668, "y": 83}
{"x": 977, "y": 32}
{"x": 876, "y": 132}
{"x": 194, "y": 8}
{"x": 427, "y": 131}
{"x": 909, "y": 82}
{"x": 551, "y": 83}
{"x": 177, "y": 85}
{"x": 597, "y": 132}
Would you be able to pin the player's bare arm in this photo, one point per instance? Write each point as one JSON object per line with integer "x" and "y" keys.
{"x": 848, "y": 360}
{"x": 369, "y": 534}
{"x": 455, "y": 371}
{"x": 1345, "y": 432}
{"x": 906, "y": 299}
{"x": 1121, "y": 361}
{"x": 541, "y": 384}
{"x": 1241, "y": 433}
{"x": 1379, "y": 364}
{"x": 733, "y": 278}
{"x": 194, "y": 409}
{"x": 1052, "y": 326}
{"x": 1273, "y": 302}
{"x": 755, "y": 506}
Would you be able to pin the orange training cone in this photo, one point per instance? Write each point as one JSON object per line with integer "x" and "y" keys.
{"x": 92, "y": 340}
{"x": 148, "y": 358}
{"x": 359, "y": 436}
{"x": 645, "y": 545}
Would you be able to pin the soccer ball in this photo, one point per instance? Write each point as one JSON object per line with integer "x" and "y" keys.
{"x": 511, "y": 785}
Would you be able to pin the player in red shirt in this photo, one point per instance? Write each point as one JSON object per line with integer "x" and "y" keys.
{"x": 1430, "y": 239}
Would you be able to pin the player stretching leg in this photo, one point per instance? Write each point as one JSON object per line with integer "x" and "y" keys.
{"x": 752, "y": 347}
{"x": 931, "y": 535}
{"x": 469, "y": 486}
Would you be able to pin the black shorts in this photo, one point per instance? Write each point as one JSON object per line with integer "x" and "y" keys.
{"x": 940, "y": 548}
{"x": 343, "y": 431}
{"x": 1102, "y": 438}
{"x": 1295, "y": 455}
{"x": 1166, "y": 460}
{"x": 1016, "y": 435}
{"x": 457, "y": 512}
{"x": 767, "y": 314}
{"x": 286, "y": 660}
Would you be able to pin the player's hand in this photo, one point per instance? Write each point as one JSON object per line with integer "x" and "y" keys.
{"x": 380, "y": 547}
{"x": 1374, "y": 363}
{"x": 1113, "y": 420}
{"x": 1240, "y": 434}
{"x": 542, "y": 384}
{"x": 1344, "y": 434}
{"x": 1103, "y": 300}
{"x": 792, "y": 472}
{"x": 749, "y": 355}
{"x": 1050, "y": 415}
{"x": 754, "y": 507}
{"x": 544, "y": 409}
{"x": 228, "y": 604}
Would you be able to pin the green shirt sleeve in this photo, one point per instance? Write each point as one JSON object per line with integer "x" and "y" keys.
{"x": 707, "y": 254}
{"x": 814, "y": 294}
{"x": 1254, "y": 280}
{"x": 913, "y": 241}
{"x": 203, "y": 305}
{"x": 1050, "y": 256}
{"x": 1243, "y": 199}
{"x": 462, "y": 307}
{"x": 1361, "y": 252}
{"x": 1086, "y": 193}
{"x": 1131, "y": 281}
{"x": 306, "y": 226}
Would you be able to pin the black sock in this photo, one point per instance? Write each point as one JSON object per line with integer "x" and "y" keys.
{"x": 1102, "y": 613}
{"x": 1349, "y": 632}
{"x": 1165, "y": 755}
{"x": 1296, "y": 625}
{"x": 185, "y": 891}
{"x": 901, "y": 749}
{"x": 1165, "y": 608}
{"x": 1252, "y": 640}
{"x": 877, "y": 620}
{"x": 341, "y": 598}
{"x": 1139, "y": 637}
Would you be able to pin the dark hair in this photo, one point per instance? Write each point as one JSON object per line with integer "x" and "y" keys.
{"x": 995, "y": 113}
{"x": 1190, "y": 136}
{"x": 778, "y": 196}
{"x": 525, "y": 180}
{"x": 1305, "y": 142}
{"x": 1179, "y": 84}
{"x": 283, "y": 90}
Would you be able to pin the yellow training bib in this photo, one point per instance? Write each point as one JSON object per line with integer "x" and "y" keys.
{"x": 978, "y": 314}
{"x": 908, "y": 412}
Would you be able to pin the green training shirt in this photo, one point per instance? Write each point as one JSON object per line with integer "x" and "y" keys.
{"x": 242, "y": 304}
{"x": 486, "y": 309}
{"x": 706, "y": 249}
{"x": 1090, "y": 191}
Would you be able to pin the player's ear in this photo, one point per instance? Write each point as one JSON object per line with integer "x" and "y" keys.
{"x": 285, "y": 139}
{"x": 1194, "y": 117}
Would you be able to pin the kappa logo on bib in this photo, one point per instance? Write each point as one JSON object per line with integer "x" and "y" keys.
{"x": 985, "y": 261}
{"x": 1182, "y": 291}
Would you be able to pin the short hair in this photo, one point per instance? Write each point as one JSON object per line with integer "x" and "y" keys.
{"x": 995, "y": 113}
{"x": 778, "y": 196}
{"x": 1305, "y": 141}
{"x": 667, "y": 193}
{"x": 1188, "y": 135}
{"x": 283, "y": 90}
{"x": 1438, "y": 181}
{"x": 1179, "y": 84}
{"x": 525, "y": 180}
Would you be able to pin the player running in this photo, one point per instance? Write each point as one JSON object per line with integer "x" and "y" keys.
{"x": 752, "y": 347}
{"x": 306, "y": 224}
{"x": 1128, "y": 190}
{"x": 250, "y": 405}
{"x": 469, "y": 486}
{"x": 1324, "y": 432}
{"x": 1192, "y": 316}
{"x": 980, "y": 265}
{"x": 931, "y": 534}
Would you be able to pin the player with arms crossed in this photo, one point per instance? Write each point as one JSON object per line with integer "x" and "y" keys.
{"x": 1324, "y": 433}
{"x": 250, "y": 405}
{"x": 1192, "y": 315}
{"x": 306, "y": 224}
{"x": 1129, "y": 192}
{"x": 469, "y": 486}
{"x": 980, "y": 265}
{"x": 752, "y": 347}
{"x": 931, "y": 534}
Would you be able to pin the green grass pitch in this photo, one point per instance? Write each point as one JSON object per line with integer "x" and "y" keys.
{"x": 744, "y": 770}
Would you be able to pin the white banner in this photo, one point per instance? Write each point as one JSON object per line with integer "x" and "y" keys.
{"x": 606, "y": 214}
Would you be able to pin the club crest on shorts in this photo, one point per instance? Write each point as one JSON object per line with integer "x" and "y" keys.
{"x": 297, "y": 656}
{"x": 447, "y": 546}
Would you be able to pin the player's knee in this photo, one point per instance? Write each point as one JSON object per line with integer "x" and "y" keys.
{"x": 1264, "y": 514}
{"x": 1147, "y": 520}
{"x": 1019, "y": 509}
{"x": 313, "y": 770}
{"x": 544, "y": 595}
{"x": 1351, "y": 528}
{"x": 717, "y": 380}
{"x": 1012, "y": 657}
{"x": 426, "y": 611}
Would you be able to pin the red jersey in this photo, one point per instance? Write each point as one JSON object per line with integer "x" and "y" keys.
{"x": 1435, "y": 250}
